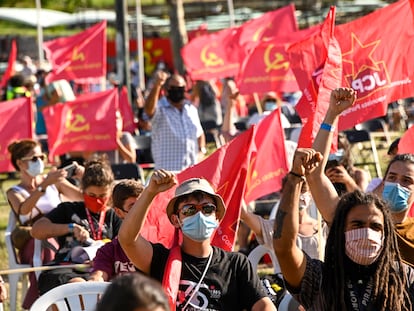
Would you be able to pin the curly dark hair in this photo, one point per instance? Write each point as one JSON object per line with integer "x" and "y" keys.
{"x": 389, "y": 283}
{"x": 98, "y": 173}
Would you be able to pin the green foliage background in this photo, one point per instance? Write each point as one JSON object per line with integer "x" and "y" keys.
{"x": 69, "y": 6}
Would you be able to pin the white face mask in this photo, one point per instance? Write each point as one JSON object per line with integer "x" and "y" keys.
{"x": 363, "y": 246}
{"x": 35, "y": 168}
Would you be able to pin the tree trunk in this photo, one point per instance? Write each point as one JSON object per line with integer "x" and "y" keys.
{"x": 178, "y": 32}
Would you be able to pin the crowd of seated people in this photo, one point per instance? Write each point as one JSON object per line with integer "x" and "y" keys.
{"x": 69, "y": 215}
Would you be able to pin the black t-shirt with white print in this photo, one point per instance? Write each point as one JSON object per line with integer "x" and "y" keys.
{"x": 230, "y": 282}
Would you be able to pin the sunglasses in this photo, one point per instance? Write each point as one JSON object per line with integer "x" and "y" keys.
{"x": 34, "y": 158}
{"x": 192, "y": 209}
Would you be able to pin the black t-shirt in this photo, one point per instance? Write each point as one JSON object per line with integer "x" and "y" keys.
{"x": 74, "y": 212}
{"x": 230, "y": 282}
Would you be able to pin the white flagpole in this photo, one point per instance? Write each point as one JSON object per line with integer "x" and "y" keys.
{"x": 39, "y": 32}
{"x": 140, "y": 47}
{"x": 231, "y": 13}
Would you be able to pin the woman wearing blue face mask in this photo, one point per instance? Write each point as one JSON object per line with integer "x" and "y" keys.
{"x": 36, "y": 194}
{"x": 397, "y": 189}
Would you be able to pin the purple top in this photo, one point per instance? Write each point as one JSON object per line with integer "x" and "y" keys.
{"x": 111, "y": 259}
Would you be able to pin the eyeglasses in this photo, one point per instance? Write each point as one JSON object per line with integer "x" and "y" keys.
{"x": 192, "y": 209}
{"x": 34, "y": 158}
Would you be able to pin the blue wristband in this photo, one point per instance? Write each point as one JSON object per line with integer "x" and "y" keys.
{"x": 327, "y": 127}
{"x": 70, "y": 227}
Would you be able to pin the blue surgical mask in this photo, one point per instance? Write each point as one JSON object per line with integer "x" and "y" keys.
{"x": 199, "y": 227}
{"x": 396, "y": 195}
{"x": 35, "y": 168}
{"x": 270, "y": 106}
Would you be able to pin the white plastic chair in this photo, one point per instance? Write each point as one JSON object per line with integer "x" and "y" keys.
{"x": 288, "y": 303}
{"x": 72, "y": 297}
{"x": 14, "y": 264}
{"x": 258, "y": 252}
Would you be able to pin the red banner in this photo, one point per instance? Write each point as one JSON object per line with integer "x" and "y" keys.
{"x": 126, "y": 111}
{"x": 218, "y": 55}
{"x": 10, "y": 65}
{"x": 16, "y": 123}
{"x": 406, "y": 143}
{"x": 323, "y": 81}
{"x": 81, "y": 57}
{"x": 198, "y": 32}
{"x": 268, "y": 26}
{"x": 155, "y": 50}
{"x": 212, "y": 56}
{"x": 371, "y": 65}
{"x": 267, "y": 67}
{"x": 239, "y": 170}
{"x": 86, "y": 124}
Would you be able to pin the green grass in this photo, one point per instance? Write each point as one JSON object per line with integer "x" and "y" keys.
{"x": 4, "y": 215}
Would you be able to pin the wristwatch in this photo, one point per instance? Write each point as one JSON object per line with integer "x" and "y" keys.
{"x": 40, "y": 189}
{"x": 203, "y": 150}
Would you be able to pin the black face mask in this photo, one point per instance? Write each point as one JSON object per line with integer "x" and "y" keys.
{"x": 176, "y": 94}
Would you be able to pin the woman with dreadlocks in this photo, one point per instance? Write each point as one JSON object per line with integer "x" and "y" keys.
{"x": 362, "y": 269}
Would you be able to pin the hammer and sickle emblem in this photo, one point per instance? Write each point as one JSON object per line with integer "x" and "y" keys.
{"x": 210, "y": 59}
{"x": 258, "y": 33}
{"x": 278, "y": 61}
{"x": 75, "y": 123}
{"x": 77, "y": 56}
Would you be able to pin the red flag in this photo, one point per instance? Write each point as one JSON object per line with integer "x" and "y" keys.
{"x": 10, "y": 65}
{"x": 126, "y": 111}
{"x": 265, "y": 176}
{"x": 81, "y": 57}
{"x": 323, "y": 81}
{"x": 371, "y": 65}
{"x": 198, "y": 32}
{"x": 155, "y": 50}
{"x": 212, "y": 56}
{"x": 267, "y": 67}
{"x": 240, "y": 170}
{"x": 16, "y": 123}
{"x": 406, "y": 143}
{"x": 271, "y": 24}
{"x": 85, "y": 124}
